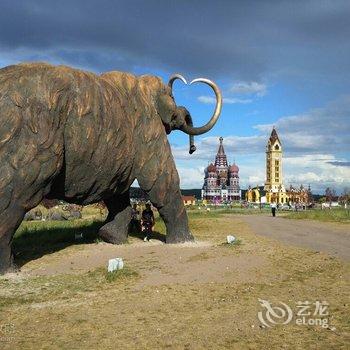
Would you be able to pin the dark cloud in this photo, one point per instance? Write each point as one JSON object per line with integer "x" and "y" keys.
{"x": 221, "y": 39}
{"x": 338, "y": 163}
{"x": 320, "y": 130}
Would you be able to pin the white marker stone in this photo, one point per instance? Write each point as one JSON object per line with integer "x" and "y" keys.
{"x": 115, "y": 264}
{"x": 230, "y": 239}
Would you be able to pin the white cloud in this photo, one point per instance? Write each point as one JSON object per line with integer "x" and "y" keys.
{"x": 316, "y": 145}
{"x": 232, "y": 100}
{"x": 191, "y": 177}
{"x": 255, "y": 180}
{"x": 241, "y": 88}
{"x": 229, "y": 100}
{"x": 207, "y": 147}
{"x": 316, "y": 170}
{"x": 249, "y": 88}
{"x": 207, "y": 99}
{"x": 319, "y": 130}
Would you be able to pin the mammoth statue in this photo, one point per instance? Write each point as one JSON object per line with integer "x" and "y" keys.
{"x": 83, "y": 138}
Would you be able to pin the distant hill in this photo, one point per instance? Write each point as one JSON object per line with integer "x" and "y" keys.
{"x": 192, "y": 192}
{"x": 136, "y": 192}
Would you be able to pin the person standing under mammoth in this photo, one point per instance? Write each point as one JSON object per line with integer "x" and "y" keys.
{"x": 147, "y": 221}
{"x": 135, "y": 223}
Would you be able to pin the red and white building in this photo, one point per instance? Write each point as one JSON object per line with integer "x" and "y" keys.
{"x": 221, "y": 180}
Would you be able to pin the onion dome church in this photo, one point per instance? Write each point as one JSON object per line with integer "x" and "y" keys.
{"x": 221, "y": 180}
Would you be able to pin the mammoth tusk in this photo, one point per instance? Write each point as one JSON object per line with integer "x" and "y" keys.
{"x": 189, "y": 122}
{"x": 174, "y": 77}
{"x": 189, "y": 129}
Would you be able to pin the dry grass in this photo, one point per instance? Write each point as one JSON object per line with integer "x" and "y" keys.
{"x": 333, "y": 215}
{"x": 151, "y": 306}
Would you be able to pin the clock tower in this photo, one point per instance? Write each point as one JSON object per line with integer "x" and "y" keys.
{"x": 275, "y": 190}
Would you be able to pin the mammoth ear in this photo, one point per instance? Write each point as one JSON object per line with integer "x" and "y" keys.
{"x": 165, "y": 108}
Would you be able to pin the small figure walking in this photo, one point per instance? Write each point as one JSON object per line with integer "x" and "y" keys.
{"x": 147, "y": 221}
{"x": 135, "y": 224}
{"x": 273, "y": 208}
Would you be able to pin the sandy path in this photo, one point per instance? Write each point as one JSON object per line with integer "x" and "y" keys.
{"x": 159, "y": 263}
{"x": 331, "y": 238}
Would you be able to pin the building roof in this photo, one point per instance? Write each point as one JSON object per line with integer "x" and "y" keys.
{"x": 188, "y": 198}
{"x": 274, "y": 136}
{"x": 234, "y": 168}
{"x": 211, "y": 168}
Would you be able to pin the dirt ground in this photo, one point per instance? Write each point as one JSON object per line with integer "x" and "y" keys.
{"x": 332, "y": 238}
{"x": 203, "y": 295}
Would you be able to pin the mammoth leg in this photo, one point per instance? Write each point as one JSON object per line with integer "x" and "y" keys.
{"x": 115, "y": 230}
{"x": 10, "y": 219}
{"x": 175, "y": 218}
{"x": 14, "y": 206}
{"x": 31, "y": 156}
{"x": 24, "y": 190}
{"x": 15, "y": 203}
{"x": 159, "y": 178}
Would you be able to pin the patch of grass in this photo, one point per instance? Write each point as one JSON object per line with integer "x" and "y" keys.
{"x": 43, "y": 289}
{"x": 55, "y": 231}
{"x": 37, "y": 238}
{"x": 120, "y": 275}
{"x": 236, "y": 243}
{"x": 333, "y": 215}
{"x": 99, "y": 240}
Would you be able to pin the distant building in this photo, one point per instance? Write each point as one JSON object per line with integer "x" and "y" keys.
{"x": 275, "y": 190}
{"x": 274, "y": 187}
{"x": 221, "y": 180}
{"x": 253, "y": 195}
{"x": 301, "y": 195}
{"x": 189, "y": 200}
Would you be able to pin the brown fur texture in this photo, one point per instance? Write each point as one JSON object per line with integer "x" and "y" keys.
{"x": 73, "y": 135}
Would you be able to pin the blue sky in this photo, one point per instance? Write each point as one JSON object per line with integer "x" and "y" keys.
{"x": 278, "y": 63}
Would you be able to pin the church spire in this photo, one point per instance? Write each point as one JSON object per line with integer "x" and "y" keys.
{"x": 221, "y": 150}
{"x": 221, "y": 158}
{"x": 274, "y": 136}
